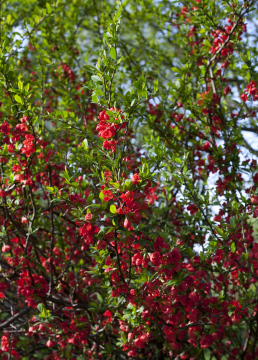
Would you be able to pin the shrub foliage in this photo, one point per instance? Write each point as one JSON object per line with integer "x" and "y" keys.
{"x": 128, "y": 179}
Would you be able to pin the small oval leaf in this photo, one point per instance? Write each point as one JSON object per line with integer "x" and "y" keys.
{"x": 113, "y": 209}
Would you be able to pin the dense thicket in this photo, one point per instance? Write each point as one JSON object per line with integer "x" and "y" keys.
{"x": 129, "y": 183}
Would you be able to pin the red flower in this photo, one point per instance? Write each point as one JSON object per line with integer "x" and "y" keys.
{"x": 10, "y": 148}
{"x": 128, "y": 198}
{"x": 160, "y": 244}
{"x": 108, "y": 144}
{"x": 138, "y": 343}
{"x": 6, "y": 248}
{"x": 254, "y": 200}
{"x": 50, "y": 343}
{"x": 132, "y": 353}
{"x": 206, "y": 341}
{"x": 156, "y": 258}
{"x": 192, "y": 208}
{"x": 244, "y": 97}
{"x": 130, "y": 336}
{"x": 227, "y": 90}
{"x": 127, "y": 224}
{"x": 136, "y": 179}
{"x": 108, "y": 313}
{"x": 88, "y": 217}
{"x": 101, "y": 245}
{"x": 251, "y": 89}
{"x": 107, "y": 133}
{"x": 5, "y": 128}
{"x": 103, "y": 116}
{"x": 206, "y": 146}
{"x": 105, "y": 130}
{"x": 24, "y": 220}
{"x": 107, "y": 195}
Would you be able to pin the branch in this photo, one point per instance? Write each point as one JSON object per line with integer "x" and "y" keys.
{"x": 13, "y": 318}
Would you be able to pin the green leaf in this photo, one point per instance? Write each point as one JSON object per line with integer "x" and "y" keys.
{"x": 233, "y": 247}
{"x": 94, "y": 98}
{"x": 118, "y": 14}
{"x": 85, "y": 144}
{"x": 221, "y": 294}
{"x": 201, "y": 197}
{"x": 176, "y": 70}
{"x": 245, "y": 256}
{"x": 113, "y": 53}
{"x": 100, "y": 299}
{"x": 96, "y": 78}
{"x": 89, "y": 131}
{"x": 109, "y": 35}
{"x": 206, "y": 43}
{"x": 8, "y": 19}
{"x": 101, "y": 196}
{"x": 49, "y": 9}
{"x": 233, "y": 221}
{"x": 40, "y": 307}
{"x": 145, "y": 94}
{"x": 99, "y": 92}
{"x": 20, "y": 84}
{"x": 113, "y": 209}
{"x": 219, "y": 231}
{"x": 140, "y": 310}
{"x": 50, "y": 188}
{"x": 93, "y": 309}
{"x": 130, "y": 306}
{"x": 47, "y": 60}
{"x": 234, "y": 205}
{"x": 110, "y": 229}
{"x": 155, "y": 85}
{"x": 145, "y": 169}
{"x": 64, "y": 114}
{"x": 179, "y": 161}
{"x": 18, "y": 99}
{"x": 27, "y": 87}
